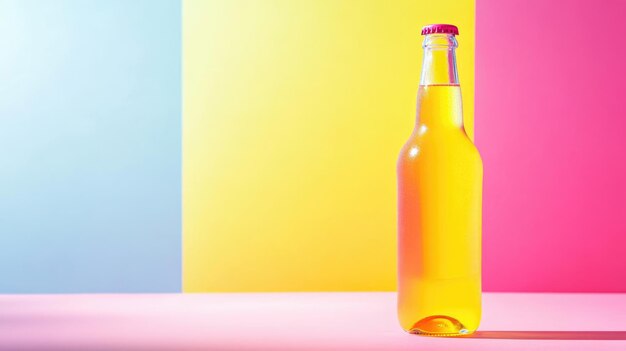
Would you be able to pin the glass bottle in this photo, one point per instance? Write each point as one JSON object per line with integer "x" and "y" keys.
{"x": 439, "y": 203}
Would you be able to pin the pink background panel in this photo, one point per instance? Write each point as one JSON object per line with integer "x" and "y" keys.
{"x": 551, "y": 126}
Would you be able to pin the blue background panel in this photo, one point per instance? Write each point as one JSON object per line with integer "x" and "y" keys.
{"x": 90, "y": 146}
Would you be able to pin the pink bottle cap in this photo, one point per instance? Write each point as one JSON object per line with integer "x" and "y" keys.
{"x": 440, "y": 28}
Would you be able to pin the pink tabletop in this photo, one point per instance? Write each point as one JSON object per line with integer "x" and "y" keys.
{"x": 300, "y": 321}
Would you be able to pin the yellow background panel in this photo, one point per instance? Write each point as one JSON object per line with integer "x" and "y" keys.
{"x": 294, "y": 114}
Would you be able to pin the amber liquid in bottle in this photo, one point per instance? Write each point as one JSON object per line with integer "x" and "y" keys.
{"x": 439, "y": 206}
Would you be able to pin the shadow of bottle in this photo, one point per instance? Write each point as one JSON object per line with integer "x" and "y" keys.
{"x": 549, "y": 335}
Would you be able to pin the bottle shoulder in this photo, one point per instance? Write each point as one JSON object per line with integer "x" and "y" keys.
{"x": 439, "y": 143}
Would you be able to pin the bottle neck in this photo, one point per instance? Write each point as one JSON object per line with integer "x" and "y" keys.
{"x": 439, "y": 97}
{"x": 439, "y": 66}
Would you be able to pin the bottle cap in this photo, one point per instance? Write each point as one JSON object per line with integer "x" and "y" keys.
{"x": 440, "y": 28}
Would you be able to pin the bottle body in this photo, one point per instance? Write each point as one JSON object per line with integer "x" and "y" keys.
{"x": 439, "y": 218}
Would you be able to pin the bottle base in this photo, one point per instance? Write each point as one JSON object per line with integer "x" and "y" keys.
{"x": 439, "y": 326}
